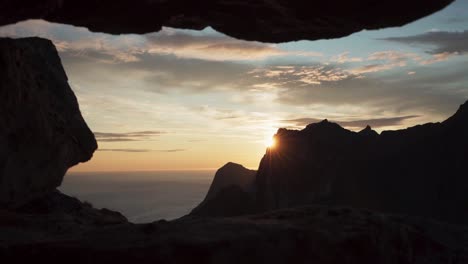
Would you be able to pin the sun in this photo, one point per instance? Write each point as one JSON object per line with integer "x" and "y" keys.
{"x": 270, "y": 142}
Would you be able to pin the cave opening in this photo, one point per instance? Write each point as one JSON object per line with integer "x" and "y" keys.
{"x": 184, "y": 102}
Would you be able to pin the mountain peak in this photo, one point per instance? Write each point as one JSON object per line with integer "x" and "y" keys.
{"x": 324, "y": 125}
{"x": 231, "y": 165}
{"x": 231, "y": 174}
{"x": 368, "y": 131}
{"x": 231, "y": 182}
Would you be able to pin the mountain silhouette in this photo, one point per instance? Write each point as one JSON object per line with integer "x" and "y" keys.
{"x": 417, "y": 171}
{"x": 230, "y": 193}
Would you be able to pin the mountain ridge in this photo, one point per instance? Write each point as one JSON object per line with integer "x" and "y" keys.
{"x": 411, "y": 171}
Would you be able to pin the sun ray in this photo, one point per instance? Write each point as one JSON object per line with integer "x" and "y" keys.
{"x": 270, "y": 142}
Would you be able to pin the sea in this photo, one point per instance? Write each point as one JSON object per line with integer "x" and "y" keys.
{"x": 141, "y": 196}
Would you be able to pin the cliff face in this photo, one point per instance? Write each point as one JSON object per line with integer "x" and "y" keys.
{"x": 42, "y": 132}
{"x": 267, "y": 21}
{"x": 415, "y": 171}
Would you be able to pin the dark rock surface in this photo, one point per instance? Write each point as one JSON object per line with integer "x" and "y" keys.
{"x": 230, "y": 201}
{"x": 42, "y": 132}
{"x": 231, "y": 174}
{"x": 230, "y": 193}
{"x": 52, "y": 217}
{"x": 58, "y": 205}
{"x": 322, "y": 235}
{"x": 420, "y": 170}
{"x": 267, "y": 21}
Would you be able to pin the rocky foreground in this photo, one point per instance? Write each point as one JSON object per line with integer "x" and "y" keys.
{"x": 71, "y": 231}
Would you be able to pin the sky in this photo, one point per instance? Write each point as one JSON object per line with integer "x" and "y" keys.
{"x": 187, "y": 100}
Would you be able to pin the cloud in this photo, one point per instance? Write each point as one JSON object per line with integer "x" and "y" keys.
{"x": 218, "y": 113}
{"x": 188, "y": 65}
{"x": 159, "y": 73}
{"x": 214, "y": 47}
{"x": 128, "y": 136}
{"x": 296, "y": 75}
{"x": 283, "y": 85}
{"x": 424, "y": 93}
{"x": 375, "y": 68}
{"x": 439, "y": 57}
{"x": 141, "y": 150}
{"x": 454, "y": 20}
{"x": 125, "y": 150}
{"x": 344, "y": 58}
{"x": 442, "y": 41}
{"x": 444, "y": 44}
{"x": 385, "y": 60}
{"x": 170, "y": 150}
{"x": 360, "y": 123}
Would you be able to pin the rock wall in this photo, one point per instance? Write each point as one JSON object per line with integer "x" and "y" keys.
{"x": 42, "y": 132}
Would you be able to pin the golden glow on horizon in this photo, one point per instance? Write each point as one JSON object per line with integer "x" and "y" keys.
{"x": 207, "y": 154}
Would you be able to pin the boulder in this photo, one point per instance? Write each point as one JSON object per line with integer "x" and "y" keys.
{"x": 42, "y": 132}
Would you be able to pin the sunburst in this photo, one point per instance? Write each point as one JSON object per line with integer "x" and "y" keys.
{"x": 270, "y": 142}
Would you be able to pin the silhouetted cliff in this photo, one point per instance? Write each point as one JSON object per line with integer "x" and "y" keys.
{"x": 42, "y": 132}
{"x": 230, "y": 193}
{"x": 416, "y": 171}
{"x": 231, "y": 174}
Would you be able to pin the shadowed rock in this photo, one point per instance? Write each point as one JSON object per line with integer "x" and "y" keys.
{"x": 322, "y": 235}
{"x": 42, "y": 132}
{"x": 231, "y": 174}
{"x": 267, "y": 21}
{"x": 230, "y": 193}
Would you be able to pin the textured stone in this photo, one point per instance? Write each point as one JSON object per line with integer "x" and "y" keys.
{"x": 267, "y": 21}
{"x": 42, "y": 132}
